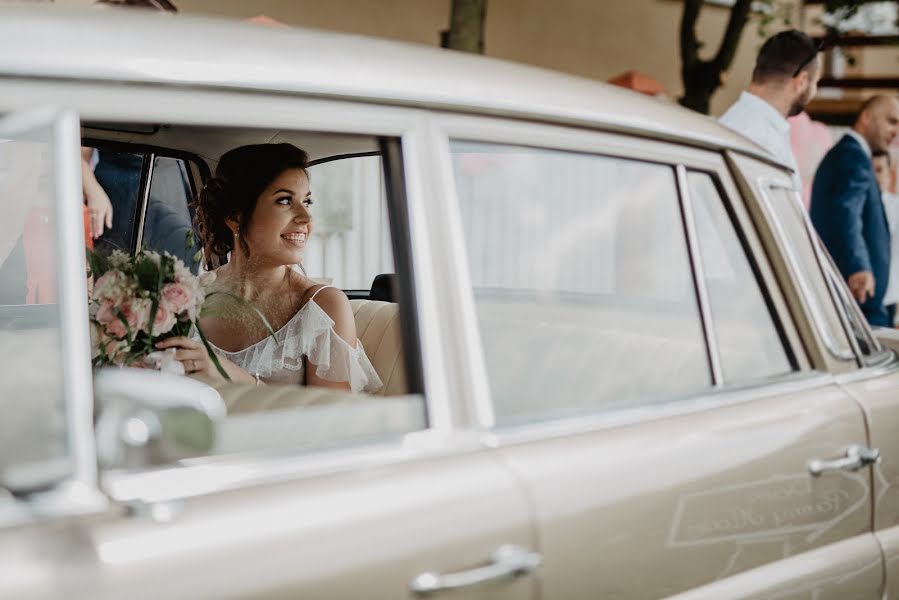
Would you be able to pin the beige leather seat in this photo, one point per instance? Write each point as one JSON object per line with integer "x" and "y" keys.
{"x": 378, "y": 328}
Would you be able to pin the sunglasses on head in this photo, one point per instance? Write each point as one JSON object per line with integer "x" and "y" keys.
{"x": 819, "y": 46}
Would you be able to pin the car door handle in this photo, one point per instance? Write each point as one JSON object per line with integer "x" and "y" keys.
{"x": 857, "y": 457}
{"x": 507, "y": 561}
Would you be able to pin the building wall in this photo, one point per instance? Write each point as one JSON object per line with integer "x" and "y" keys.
{"x": 591, "y": 38}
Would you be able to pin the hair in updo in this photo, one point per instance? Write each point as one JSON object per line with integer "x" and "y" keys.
{"x": 240, "y": 177}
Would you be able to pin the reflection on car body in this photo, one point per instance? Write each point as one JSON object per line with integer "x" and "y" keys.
{"x": 611, "y": 348}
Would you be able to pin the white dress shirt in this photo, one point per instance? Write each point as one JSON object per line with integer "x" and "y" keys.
{"x": 760, "y": 122}
{"x": 891, "y": 208}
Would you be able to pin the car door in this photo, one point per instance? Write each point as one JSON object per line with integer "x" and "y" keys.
{"x": 875, "y": 386}
{"x": 388, "y": 502}
{"x": 648, "y": 381}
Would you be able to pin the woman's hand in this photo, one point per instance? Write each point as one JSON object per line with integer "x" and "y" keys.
{"x": 192, "y": 354}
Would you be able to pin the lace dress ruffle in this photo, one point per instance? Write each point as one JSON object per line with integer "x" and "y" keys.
{"x": 309, "y": 333}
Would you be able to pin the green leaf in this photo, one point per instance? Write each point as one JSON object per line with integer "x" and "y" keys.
{"x": 128, "y": 335}
{"x": 98, "y": 263}
{"x": 212, "y": 355}
{"x": 147, "y": 274}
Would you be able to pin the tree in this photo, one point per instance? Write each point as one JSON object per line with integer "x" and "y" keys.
{"x": 701, "y": 78}
{"x": 466, "y": 30}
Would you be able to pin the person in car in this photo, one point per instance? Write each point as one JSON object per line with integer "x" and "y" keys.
{"x": 256, "y": 209}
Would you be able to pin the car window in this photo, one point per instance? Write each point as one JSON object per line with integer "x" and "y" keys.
{"x": 33, "y": 438}
{"x": 582, "y": 282}
{"x": 790, "y": 218}
{"x": 870, "y": 349}
{"x": 168, "y": 224}
{"x": 748, "y": 343}
{"x": 119, "y": 174}
{"x": 351, "y": 241}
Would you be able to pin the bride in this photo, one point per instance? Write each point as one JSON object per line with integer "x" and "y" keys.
{"x": 257, "y": 209}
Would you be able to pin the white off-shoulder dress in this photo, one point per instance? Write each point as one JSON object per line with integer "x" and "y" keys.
{"x": 308, "y": 336}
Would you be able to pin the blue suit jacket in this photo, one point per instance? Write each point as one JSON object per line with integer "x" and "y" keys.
{"x": 848, "y": 213}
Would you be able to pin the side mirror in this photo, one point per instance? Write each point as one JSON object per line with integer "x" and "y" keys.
{"x": 148, "y": 418}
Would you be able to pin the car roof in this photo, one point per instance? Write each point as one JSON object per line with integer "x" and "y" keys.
{"x": 162, "y": 48}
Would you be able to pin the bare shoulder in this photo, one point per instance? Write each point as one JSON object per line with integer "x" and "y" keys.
{"x": 334, "y": 302}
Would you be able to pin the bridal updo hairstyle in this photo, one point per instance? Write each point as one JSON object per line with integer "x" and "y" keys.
{"x": 240, "y": 177}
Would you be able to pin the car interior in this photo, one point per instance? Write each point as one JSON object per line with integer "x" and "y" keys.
{"x": 152, "y": 173}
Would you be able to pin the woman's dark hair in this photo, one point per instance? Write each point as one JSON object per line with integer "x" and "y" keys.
{"x": 240, "y": 177}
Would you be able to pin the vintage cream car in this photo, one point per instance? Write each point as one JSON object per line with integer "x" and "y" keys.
{"x": 617, "y": 363}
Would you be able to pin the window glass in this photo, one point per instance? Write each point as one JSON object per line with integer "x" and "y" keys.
{"x": 32, "y": 406}
{"x": 119, "y": 174}
{"x": 748, "y": 342}
{"x": 791, "y": 219}
{"x": 582, "y": 282}
{"x": 350, "y": 243}
{"x": 168, "y": 226}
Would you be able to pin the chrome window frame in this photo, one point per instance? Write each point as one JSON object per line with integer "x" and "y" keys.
{"x": 766, "y": 185}
{"x": 117, "y": 102}
{"x": 506, "y": 131}
{"x": 763, "y": 287}
{"x": 79, "y": 492}
{"x": 697, "y": 269}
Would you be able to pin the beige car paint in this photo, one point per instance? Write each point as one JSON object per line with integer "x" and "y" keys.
{"x": 878, "y": 396}
{"x": 718, "y": 492}
{"x": 342, "y": 535}
{"x": 659, "y": 507}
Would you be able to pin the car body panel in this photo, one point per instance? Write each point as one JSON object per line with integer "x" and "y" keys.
{"x": 708, "y": 496}
{"x": 284, "y": 540}
{"x": 678, "y": 502}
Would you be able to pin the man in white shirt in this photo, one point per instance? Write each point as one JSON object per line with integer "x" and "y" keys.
{"x": 784, "y": 80}
{"x": 883, "y": 169}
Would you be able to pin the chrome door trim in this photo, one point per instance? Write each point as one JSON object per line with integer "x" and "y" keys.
{"x": 215, "y": 474}
{"x": 505, "y": 563}
{"x": 856, "y": 458}
{"x": 722, "y": 397}
{"x": 766, "y": 184}
{"x": 419, "y": 178}
{"x": 471, "y": 367}
{"x": 76, "y": 363}
{"x": 891, "y": 366}
{"x": 79, "y": 493}
{"x": 698, "y": 271}
{"x": 144, "y": 200}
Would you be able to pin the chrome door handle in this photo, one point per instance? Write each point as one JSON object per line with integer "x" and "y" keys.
{"x": 857, "y": 457}
{"x": 508, "y": 561}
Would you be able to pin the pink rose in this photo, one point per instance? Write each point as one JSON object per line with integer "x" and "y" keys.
{"x": 176, "y": 297}
{"x": 136, "y": 312}
{"x": 112, "y": 286}
{"x": 164, "y": 321}
{"x": 106, "y": 313}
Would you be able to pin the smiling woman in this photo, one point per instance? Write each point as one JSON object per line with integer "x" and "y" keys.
{"x": 256, "y": 209}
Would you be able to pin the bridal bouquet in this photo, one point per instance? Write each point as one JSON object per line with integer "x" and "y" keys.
{"x": 139, "y": 300}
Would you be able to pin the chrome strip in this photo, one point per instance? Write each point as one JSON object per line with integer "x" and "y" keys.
{"x": 723, "y": 397}
{"x": 215, "y": 474}
{"x": 765, "y": 185}
{"x": 433, "y": 360}
{"x": 474, "y": 365}
{"x": 890, "y": 365}
{"x": 75, "y": 337}
{"x": 702, "y": 293}
{"x": 150, "y": 161}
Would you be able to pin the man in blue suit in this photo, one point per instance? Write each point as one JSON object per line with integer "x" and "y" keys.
{"x": 847, "y": 209}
